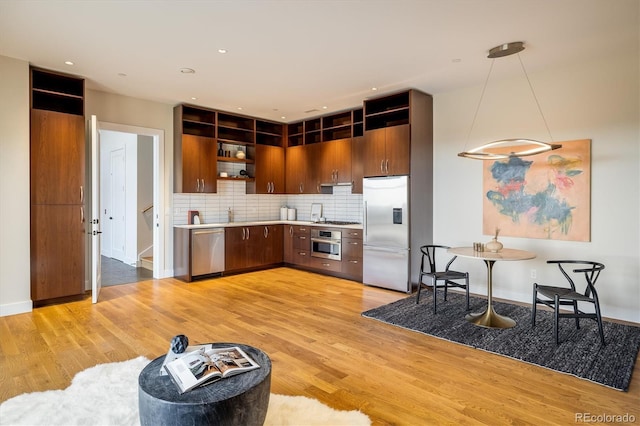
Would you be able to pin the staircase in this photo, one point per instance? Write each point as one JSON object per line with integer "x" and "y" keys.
{"x": 146, "y": 262}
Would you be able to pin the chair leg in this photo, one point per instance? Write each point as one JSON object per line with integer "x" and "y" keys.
{"x": 556, "y": 317}
{"x": 599, "y": 319}
{"x": 575, "y": 311}
{"x": 466, "y": 280}
{"x": 534, "y": 305}
{"x": 435, "y": 299}
{"x": 419, "y": 287}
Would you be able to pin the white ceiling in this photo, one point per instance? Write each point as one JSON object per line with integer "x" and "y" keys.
{"x": 288, "y": 57}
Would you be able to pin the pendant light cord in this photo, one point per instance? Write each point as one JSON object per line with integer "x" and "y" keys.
{"x": 486, "y": 82}
{"x": 473, "y": 122}
{"x": 535, "y": 98}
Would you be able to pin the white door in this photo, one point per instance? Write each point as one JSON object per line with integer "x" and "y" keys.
{"x": 96, "y": 270}
{"x": 118, "y": 212}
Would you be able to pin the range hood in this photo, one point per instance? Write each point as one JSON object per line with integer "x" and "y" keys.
{"x": 336, "y": 184}
{"x": 327, "y": 188}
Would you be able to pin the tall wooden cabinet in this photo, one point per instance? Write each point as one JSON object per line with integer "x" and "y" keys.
{"x": 58, "y": 217}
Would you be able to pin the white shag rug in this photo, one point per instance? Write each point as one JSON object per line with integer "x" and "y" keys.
{"x": 107, "y": 395}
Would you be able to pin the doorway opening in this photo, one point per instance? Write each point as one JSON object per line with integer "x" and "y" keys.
{"x": 131, "y": 203}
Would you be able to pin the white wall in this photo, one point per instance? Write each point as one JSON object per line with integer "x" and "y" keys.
{"x": 597, "y": 100}
{"x": 15, "y": 281}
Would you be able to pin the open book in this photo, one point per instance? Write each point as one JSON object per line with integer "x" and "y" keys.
{"x": 206, "y": 365}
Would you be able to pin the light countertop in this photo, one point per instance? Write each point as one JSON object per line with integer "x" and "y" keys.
{"x": 267, "y": 222}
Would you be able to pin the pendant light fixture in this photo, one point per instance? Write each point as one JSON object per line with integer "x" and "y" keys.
{"x": 505, "y": 148}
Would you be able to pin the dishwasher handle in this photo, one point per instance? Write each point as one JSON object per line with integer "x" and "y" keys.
{"x": 208, "y": 231}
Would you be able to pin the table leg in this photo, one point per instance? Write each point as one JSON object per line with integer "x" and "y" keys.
{"x": 489, "y": 318}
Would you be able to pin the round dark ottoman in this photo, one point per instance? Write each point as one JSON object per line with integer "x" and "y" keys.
{"x": 238, "y": 400}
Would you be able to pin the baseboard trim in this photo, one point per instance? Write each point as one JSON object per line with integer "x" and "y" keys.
{"x": 16, "y": 308}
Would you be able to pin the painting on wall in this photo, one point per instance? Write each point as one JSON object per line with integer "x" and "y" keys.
{"x": 544, "y": 196}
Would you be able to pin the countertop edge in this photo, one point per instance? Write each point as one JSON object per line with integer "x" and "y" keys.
{"x": 266, "y": 222}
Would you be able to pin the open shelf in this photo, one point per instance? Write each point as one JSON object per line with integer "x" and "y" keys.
{"x": 387, "y": 111}
{"x": 57, "y": 92}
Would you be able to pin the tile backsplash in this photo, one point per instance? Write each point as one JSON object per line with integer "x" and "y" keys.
{"x": 213, "y": 208}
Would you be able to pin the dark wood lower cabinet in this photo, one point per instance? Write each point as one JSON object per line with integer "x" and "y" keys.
{"x": 250, "y": 247}
{"x": 262, "y": 246}
{"x": 57, "y": 251}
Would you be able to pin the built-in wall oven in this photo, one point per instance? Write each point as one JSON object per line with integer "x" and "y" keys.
{"x": 326, "y": 244}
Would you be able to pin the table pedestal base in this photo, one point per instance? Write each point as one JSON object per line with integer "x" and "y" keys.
{"x": 490, "y": 319}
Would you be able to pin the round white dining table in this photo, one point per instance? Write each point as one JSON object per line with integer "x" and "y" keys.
{"x": 489, "y": 317}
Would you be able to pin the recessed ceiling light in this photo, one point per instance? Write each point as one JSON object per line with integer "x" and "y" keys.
{"x": 222, "y": 50}
{"x": 374, "y": 88}
{"x": 239, "y": 108}
{"x": 193, "y": 98}
{"x": 68, "y": 62}
{"x": 283, "y": 117}
{"x": 324, "y": 107}
{"x": 187, "y": 71}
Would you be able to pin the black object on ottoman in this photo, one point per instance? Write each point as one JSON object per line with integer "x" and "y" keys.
{"x": 242, "y": 399}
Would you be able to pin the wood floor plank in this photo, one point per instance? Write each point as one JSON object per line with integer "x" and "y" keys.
{"x": 320, "y": 346}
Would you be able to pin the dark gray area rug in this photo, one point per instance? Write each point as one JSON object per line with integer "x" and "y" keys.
{"x": 579, "y": 352}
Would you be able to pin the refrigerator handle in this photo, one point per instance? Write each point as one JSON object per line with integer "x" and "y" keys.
{"x": 364, "y": 222}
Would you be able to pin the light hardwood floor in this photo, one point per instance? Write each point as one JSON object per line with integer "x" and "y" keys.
{"x": 310, "y": 325}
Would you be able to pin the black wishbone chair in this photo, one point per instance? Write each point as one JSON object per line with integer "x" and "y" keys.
{"x": 428, "y": 268}
{"x": 556, "y": 297}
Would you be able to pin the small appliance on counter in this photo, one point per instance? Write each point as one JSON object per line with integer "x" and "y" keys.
{"x": 316, "y": 212}
{"x": 284, "y": 213}
{"x": 291, "y": 214}
{"x": 193, "y": 217}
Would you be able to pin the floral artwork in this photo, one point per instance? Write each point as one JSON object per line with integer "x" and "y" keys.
{"x": 546, "y": 195}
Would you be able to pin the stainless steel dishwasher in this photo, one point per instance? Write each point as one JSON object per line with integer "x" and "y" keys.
{"x": 207, "y": 251}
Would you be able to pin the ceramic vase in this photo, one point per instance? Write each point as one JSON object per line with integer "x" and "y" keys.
{"x": 493, "y": 246}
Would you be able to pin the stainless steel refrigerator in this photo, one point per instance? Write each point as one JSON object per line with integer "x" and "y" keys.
{"x": 386, "y": 256}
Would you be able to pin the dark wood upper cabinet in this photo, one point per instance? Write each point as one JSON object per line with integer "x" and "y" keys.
{"x": 269, "y": 170}
{"x": 296, "y": 170}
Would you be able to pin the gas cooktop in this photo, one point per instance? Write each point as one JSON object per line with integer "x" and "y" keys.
{"x": 340, "y": 222}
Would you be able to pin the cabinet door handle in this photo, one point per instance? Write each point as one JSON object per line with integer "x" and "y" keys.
{"x": 266, "y": 231}
{"x": 300, "y": 187}
{"x": 291, "y": 230}
{"x": 386, "y": 167}
{"x": 302, "y": 237}
{"x": 353, "y": 261}
{"x": 81, "y": 214}
{"x": 244, "y": 234}
{"x": 202, "y": 185}
{"x": 302, "y": 253}
{"x": 382, "y": 166}
{"x": 318, "y": 188}
{"x": 247, "y": 233}
{"x": 353, "y": 243}
{"x": 81, "y": 194}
